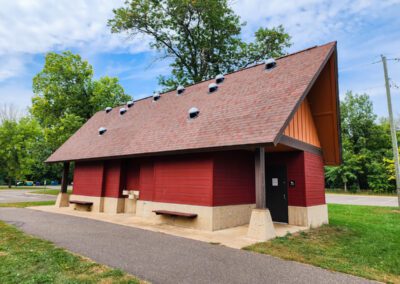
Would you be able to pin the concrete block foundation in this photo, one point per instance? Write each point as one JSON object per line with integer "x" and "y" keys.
{"x": 312, "y": 216}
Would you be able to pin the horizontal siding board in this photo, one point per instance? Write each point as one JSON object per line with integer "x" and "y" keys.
{"x": 315, "y": 179}
{"x": 88, "y": 178}
{"x": 112, "y": 179}
{"x": 234, "y": 178}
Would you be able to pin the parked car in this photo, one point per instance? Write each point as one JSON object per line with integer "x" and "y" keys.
{"x": 20, "y": 183}
{"x": 54, "y": 182}
{"x": 29, "y": 183}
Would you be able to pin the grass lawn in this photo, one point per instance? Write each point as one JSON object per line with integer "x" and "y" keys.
{"x": 51, "y": 191}
{"x": 27, "y": 204}
{"x": 5, "y": 187}
{"x": 360, "y": 240}
{"x": 25, "y": 259}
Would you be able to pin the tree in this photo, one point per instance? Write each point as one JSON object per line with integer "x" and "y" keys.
{"x": 66, "y": 96}
{"x": 366, "y": 145}
{"x": 107, "y": 92}
{"x": 18, "y": 141}
{"x": 201, "y": 37}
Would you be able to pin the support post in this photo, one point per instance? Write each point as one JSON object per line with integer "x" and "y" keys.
{"x": 63, "y": 197}
{"x": 64, "y": 180}
{"x": 261, "y": 227}
{"x": 260, "y": 178}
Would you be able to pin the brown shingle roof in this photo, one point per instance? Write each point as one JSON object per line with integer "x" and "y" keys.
{"x": 250, "y": 107}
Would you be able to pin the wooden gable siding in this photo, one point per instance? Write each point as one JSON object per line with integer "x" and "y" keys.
{"x": 302, "y": 126}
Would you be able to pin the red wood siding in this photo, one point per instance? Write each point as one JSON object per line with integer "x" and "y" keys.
{"x": 294, "y": 162}
{"x": 132, "y": 181}
{"x": 112, "y": 186}
{"x": 88, "y": 178}
{"x": 234, "y": 181}
{"x": 146, "y": 180}
{"x": 315, "y": 180}
{"x": 185, "y": 180}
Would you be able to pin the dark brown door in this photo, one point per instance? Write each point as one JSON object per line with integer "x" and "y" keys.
{"x": 276, "y": 186}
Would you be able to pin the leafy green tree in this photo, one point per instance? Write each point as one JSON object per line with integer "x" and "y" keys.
{"x": 66, "y": 96}
{"x": 107, "y": 92}
{"x": 202, "y": 38}
{"x": 366, "y": 145}
{"x": 18, "y": 141}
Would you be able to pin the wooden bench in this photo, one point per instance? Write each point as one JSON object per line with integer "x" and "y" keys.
{"x": 82, "y": 205}
{"x": 175, "y": 214}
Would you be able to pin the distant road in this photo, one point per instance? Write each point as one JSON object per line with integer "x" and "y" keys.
{"x": 361, "y": 199}
{"x": 23, "y": 195}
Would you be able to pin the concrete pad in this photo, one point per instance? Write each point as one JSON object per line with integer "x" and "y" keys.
{"x": 233, "y": 237}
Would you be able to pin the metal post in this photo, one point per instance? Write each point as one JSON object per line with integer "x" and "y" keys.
{"x": 260, "y": 177}
{"x": 392, "y": 129}
{"x": 64, "y": 181}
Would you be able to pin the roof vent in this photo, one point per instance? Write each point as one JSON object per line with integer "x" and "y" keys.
{"x": 270, "y": 63}
{"x": 219, "y": 79}
{"x": 180, "y": 90}
{"x": 156, "y": 96}
{"x": 129, "y": 104}
{"x": 193, "y": 112}
{"x": 122, "y": 111}
{"x": 102, "y": 130}
{"x": 108, "y": 109}
{"x": 212, "y": 87}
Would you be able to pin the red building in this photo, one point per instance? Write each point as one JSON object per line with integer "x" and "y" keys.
{"x": 214, "y": 152}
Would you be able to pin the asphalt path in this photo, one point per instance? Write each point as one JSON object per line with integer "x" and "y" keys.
{"x": 361, "y": 200}
{"x": 161, "y": 258}
{"x": 22, "y": 195}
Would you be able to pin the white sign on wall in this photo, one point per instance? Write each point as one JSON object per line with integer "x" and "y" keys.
{"x": 274, "y": 181}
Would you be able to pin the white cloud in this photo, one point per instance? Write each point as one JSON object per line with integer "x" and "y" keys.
{"x": 40, "y": 26}
{"x": 11, "y": 66}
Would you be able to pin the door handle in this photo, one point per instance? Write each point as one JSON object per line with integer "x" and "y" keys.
{"x": 284, "y": 196}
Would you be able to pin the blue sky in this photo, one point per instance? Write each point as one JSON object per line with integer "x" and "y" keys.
{"x": 364, "y": 29}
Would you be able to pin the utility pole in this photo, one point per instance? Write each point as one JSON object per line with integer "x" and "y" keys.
{"x": 392, "y": 129}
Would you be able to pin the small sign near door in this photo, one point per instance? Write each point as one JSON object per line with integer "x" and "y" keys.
{"x": 275, "y": 182}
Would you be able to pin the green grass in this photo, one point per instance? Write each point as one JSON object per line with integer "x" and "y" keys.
{"x": 5, "y": 187}
{"x": 51, "y": 191}
{"x": 360, "y": 240}
{"x": 25, "y": 259}
{"x": 28, "y": 204}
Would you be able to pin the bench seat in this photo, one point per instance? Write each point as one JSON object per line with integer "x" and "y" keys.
{"x": 176, "y": 214}
{"x": 81, "y": 202}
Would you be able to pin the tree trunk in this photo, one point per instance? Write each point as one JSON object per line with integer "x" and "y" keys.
{"x": 9, "y": 182}
{"x": 345, "y": 187}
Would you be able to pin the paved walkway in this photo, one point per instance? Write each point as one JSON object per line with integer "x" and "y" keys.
{"x": 361, "y": 200}
{"x": 161, "y": 258}
{"x": 21, "y": 195}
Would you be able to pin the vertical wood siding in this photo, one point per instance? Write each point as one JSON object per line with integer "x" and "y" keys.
{"x": 302, "y": 126}
{"x": 88, "y": 178}
{"x": 234, "y": 181}
{"x": 324, "y": 107}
